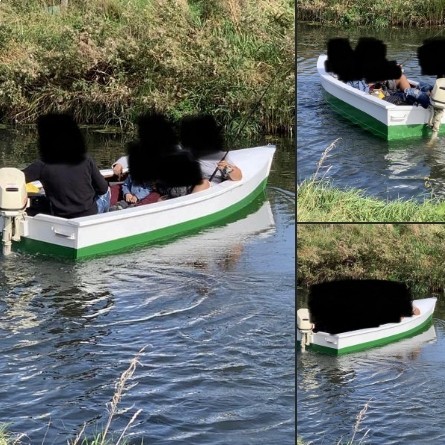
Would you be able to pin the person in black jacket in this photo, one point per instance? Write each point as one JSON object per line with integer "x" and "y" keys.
{"x": 71, "y": 179}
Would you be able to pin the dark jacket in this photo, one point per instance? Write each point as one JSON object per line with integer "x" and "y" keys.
{"x": 70, "y": 188}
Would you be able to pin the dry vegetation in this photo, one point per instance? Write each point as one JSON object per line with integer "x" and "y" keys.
{"x": 412, "y": 253}
{"x": 373, "y": 13}
{"x": 108, "y": 60}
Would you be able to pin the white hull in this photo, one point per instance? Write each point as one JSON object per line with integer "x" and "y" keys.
{"x": 365, "y": 338}
{"x": 396, "y": 121}
{"x": 112, "y": 231}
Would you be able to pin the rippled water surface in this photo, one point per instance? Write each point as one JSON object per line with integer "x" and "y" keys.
{"x": 361, "y": 160}
{"x": 214, "y": 313}
{"x": 399, "y": 387}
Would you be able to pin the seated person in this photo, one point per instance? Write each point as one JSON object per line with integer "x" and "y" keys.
{"x": 398, "y": 91}
{"x": 202, "y": 136}
{"x": 135, "y": 194}
{"x": 407, "y": 93}
{"x": 157, "y": 158}
{"x": 163, "y": 190}
{"x": 120, "y": 167}
{"x": 72, "y": 182}
{"x": 226, "y": 168}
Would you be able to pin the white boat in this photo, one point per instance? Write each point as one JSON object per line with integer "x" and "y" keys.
{"x": 162, "y": 221}
{"x": 353, "y": 341}
{"x": 384, "y": 119}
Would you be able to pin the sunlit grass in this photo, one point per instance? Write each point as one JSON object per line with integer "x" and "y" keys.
{"x": 107, "y": 61}
{"x": 412, "y": 253}
{"x": 319, "y": 201}
{"x": 373, "y": 13}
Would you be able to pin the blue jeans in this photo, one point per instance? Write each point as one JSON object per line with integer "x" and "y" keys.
{"x": 424, "y": 87}
{"x": 103, "y": 202}
{"x": 418, "y": 96}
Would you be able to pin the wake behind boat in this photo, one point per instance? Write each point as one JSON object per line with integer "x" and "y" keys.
{"x": 110, "y": 232}
{"x": 382, "y": 118}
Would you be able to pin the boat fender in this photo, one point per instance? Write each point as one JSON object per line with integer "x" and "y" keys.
{"x": 305, "y": 327}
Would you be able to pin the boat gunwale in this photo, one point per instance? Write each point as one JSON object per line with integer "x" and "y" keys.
{"x": 358, "y": 93}
{"x": 415, "y": 320}
{"x": 211, "y": 193}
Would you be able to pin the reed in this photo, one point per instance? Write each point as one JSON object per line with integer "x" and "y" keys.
{"x": 372, "y": 13}
{"x": 411, "y": 253}
{"x": 108, "y": 61}
{"x": 355, "y": 430}
{"x": 104, "y": 438}
{"x": 358, "y": 421}
{"x": 320, "y": 201}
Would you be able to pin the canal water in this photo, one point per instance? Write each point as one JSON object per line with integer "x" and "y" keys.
{"x": 213, "y": 314}
{"x": 399, "y": 388}
{"x": 387, "y": 170}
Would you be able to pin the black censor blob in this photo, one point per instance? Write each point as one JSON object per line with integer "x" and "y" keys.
{"x": 348, "y": 305}
{"x": 431, "y": 56}
{"x": 179, "y": 169}
{"x": 60, "y": 139}
{"x": 201, "y": 135}
{"x": 367, "y": 61}
{"x": 157, "y": 157}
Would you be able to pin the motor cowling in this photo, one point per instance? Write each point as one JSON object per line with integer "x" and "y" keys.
{"x": 305, "y": 326}
{"x": 13, "y": 203}
{"x": 437, "y": 97}
{"x": 303, "y": 320}
{"x": 13, "y": 195}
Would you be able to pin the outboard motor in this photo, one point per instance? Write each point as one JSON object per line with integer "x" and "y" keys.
{"x": 305, "y": 327}
{"x": 13, "y": 203}
{"x": 437, "y": 100}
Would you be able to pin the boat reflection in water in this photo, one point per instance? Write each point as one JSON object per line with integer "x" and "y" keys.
{"x": 340, "y": 371}
{"x": 86, "y": 289}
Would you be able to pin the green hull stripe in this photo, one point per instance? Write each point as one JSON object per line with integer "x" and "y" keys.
{"x": 222, "y": 217}
{"x": 372, "y": 344}
{"x": 389, "y": 133}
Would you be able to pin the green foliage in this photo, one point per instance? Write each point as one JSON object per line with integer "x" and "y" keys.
{"x": 373, "y": 13}
{"x": 111, "y": 59}
{"x": 412, "y": 253}
{"x": 319, "y": 201}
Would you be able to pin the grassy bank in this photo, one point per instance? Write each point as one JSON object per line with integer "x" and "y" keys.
{"x": 412, "y": 253}
{"x": 108, "y": 60}
{"x": 373, "y": 13}
{"x": 319, "y": 201}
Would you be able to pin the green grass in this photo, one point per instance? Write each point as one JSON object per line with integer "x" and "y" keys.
{"x": 109, "y": 60}
{"x": 373, "y": 13}
{"x": 319, "y": 201}
{"x": 412, "y": 253}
